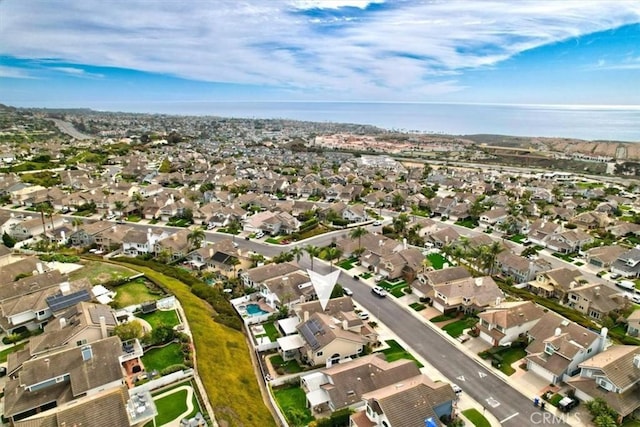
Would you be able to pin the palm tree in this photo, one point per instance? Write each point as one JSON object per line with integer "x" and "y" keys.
{"x": 400, "y": 223}
{"x": 491, "y": 254}
{"x": 447, "y": 251}
{"x": 313, "y": 252}
{"x": 357, "y": 233}
{"x": 76, "y": 222}
{"x": 42, "y": 208}
{"x": 195, "y": 237}
{"x": 333, "y": 253}
{"x": 297, "y": 252}
{"x": 119, "y": 204}
{"x": 137, "y": 200}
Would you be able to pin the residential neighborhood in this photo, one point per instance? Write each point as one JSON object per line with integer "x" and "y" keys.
{"x": 145, "y": 263}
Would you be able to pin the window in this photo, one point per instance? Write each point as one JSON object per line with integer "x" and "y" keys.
{"x": 318, "y": 354}
{"x": 81, "y": 342}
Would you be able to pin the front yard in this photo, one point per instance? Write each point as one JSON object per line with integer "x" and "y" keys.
{"x": 456, "y": 328}
{"x": 437, "y": 261}
{"x": 396, "y": 352}
{"x": 394, "y": 288}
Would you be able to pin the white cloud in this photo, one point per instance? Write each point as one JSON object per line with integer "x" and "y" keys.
{"x": 77, "y": 72}
{"x": 15, "y": 73}
{"x": 403, "y": 50}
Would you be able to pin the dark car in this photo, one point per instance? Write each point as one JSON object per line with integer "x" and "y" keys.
{"x": 3, "y": 371}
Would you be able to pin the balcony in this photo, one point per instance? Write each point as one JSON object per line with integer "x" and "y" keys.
{"x": 131, "y": 349}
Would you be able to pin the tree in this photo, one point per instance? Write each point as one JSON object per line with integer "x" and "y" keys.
{"x": 43, "y": 208}
{"x": 196, "y": 237}
{"x": 137, "y": 199}
{"x": 8, "y": 240}
{"x": 130, "y": 330}
{"x": 76, "y": 222}
{"x": 400, "y": 223}
{"x": 313, "y": 252}
{"x": 297, "y": 252}
{"x": 491, "y": 254}
{"x": 333, "y": 253}
{"x": 398, "y": 200}
{"x": 357, "y": 233}
{"x": 119, "y": 204}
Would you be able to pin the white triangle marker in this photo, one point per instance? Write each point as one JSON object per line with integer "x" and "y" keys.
{"x": 323, "y": 285}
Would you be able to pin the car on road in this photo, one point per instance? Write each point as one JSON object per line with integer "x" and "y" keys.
{"x": 456, "y": 388}
{"x": 347, "y": 291}
{"x": 376, "y": 223}
{"x": 379, "y": 291}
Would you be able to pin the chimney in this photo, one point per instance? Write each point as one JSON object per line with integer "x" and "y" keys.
{"x": 636, "y": 361}
{"x": 603, "y": 338}
{"x": 65, "y": 288}
{"x": 345, "y": 325}
{"x": 404, "y": 243}
{"x": 478, "y": 281}
{"x": 557, "y": 332}
{"x": 39, "y": 268}
{"x": 597, "y": 289}
{"x": 63, "y": 322}
{"x": 103, "y": 327}
{"x": 305, "y": 316}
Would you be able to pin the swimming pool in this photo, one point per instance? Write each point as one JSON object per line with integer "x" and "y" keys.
{"x": 255, "y": 310}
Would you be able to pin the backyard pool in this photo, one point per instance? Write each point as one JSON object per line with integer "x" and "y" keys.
{"x": 255, "y": 310}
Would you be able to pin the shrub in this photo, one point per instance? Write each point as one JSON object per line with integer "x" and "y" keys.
{"x": 171, "y": 369}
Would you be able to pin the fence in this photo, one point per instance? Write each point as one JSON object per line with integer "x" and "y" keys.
{"x": 164, "y": 381}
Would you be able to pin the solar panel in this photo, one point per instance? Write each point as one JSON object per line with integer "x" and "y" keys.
{"x": 309, "y": 330}
{"x": 60, "y": 302}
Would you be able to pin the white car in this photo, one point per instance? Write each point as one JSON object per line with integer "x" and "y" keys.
{"x": 259, "y": 234}
{"x": 363, "y": 315}
{"x": 347, "y": 291}
{"x": 379, "y": 291}
{"x": 456, "y": 388}
{"x": 376, "y": 223}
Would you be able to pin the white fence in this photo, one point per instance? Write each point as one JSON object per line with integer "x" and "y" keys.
{"x": 164, "y": 381}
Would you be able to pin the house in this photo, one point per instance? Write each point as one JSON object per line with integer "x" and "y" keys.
{"x": 343, "y": 384}
{"x": 493, "y": 217}
{"x": 326, "y": 341}
{"x": 591, "y": 220}
{"x": 505, "y": 323}
{"x": 417, "y": 401}
{"x": 273, "y": 223}
{"x": 177, "y": 245}
{"x": 405, "y": 263}
{"x": 594, "y": 300}
{"x": 627, "y": 264}
{"x": 604, "y": 256}
{"x": 45, "y": 383}
{"x": 255, "y": 277}
{"x": 443, "y": 237}
{"x": 633, "y": 324}
{"x": 519, "y": 268}
{"x": 555, "y": 283}
{"x": 614, "y": 376}
{"x": 468, "y": 295}
{"x": 557, "y": 346}
{"x": 33, "y": 226}
{"x": 138, "y": 242}
{"x": 541, "y": 230}
{"x": 83, "y": 323}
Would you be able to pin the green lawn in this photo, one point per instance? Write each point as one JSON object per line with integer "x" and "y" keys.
{"x": 417, "y": 306}
{"x": 159, "y": 358}
{"x": 469, "y": 223}
{"x": 161, "y": 317}
{"x": 170, "y": 407}
{"x": 100, "y": 272}
{"x": 288, "y": 367}
{"x": 272, "y": 331}
{"x": 555, "y": 399}
{"x": 134, "y": 292}
{"x": 509, "y": 356}
{"x": 437, "y": 261}
{"x": 518, "y": 238}
{"x": 5, "y": 353}
{"x": 455, "y": 328}
{"x": 565, "y": 257}
{"x": 397, "y": 352}
{"x": 476, "y": 418}
{"x": 394, "y": 288}
{"x": 348, "y": 263}
{"x": 366, "y": 275}
{"x": 444, "y": 317}
{"x": 292, "y": 401}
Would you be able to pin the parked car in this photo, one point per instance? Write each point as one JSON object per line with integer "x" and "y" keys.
{"x": 456, "y": 388}
{"x": 376, "y": 223}
{"x": 627, "y": 284}
{"x": 363, "y": 315}
{"x": 379, "y": 291}
{"x": 260, "y": 234}
{"x": 347, "y": 291}
{"x": 567, "y": 404}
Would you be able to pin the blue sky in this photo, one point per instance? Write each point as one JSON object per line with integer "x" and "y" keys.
{"x": 125, "y": 55}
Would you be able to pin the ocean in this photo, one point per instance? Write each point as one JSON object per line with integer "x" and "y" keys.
{"x": 611, "y": 123}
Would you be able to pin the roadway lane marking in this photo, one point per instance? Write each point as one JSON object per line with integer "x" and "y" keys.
{"x": 509, "y": 417}
{"x": 492, "y": 402}
{"x": 461, "y": 378}
{"x": 482, "y": 374}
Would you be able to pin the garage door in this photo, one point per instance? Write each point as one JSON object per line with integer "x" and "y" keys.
{"x": 541, "y": 372}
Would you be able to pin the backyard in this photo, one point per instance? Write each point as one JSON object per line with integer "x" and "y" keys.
{"x": 161, "y": 317}
{"x": 134, "y": 292}
{"x": 157, "y": 359}
{"x": 292, "y": 400}
{"x": 437, "y": 261}
{"x": 171, "y": 406}
{"x": 100, "y": 272}
{"x": 284, "y": 368}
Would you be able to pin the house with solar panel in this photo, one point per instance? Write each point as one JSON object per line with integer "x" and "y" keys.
{"x": 30, "y": 303}
{"x": 328, "y": 340}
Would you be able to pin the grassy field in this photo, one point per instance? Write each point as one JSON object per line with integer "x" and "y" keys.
{"x": 100, "y": 272}
{"x": 159, "y": 358}
{"x": 293, "y": 403}
{"x": 161, "y": 317}
{"x": 223, "y": 360}
{"x": 170, "y": 407}
{"x": 134, "y": 292}
{"x": 397, "y": 352}
{"x": 476, "y": 418}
